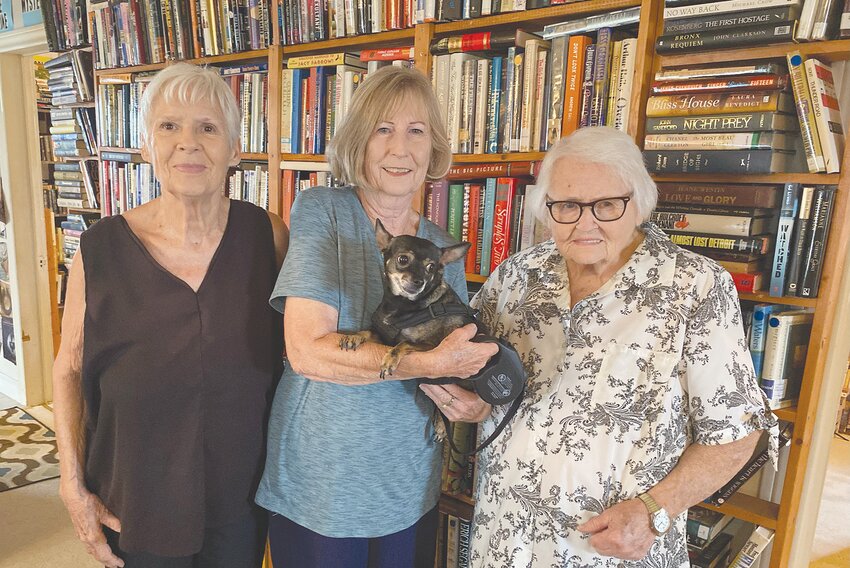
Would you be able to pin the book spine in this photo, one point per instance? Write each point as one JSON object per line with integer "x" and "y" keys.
{"x": 798, "y": 241}
{"x": 574, "y": 86}
{"x": 387, "y": 54}
{"x": 454, "y": 221}
{"x": 493, "y": 105}
{"x": 734, "y": 20}
{"x": 808, "y": 128}
{"x": 753, "y": 548}
{"x": 502, "y": 216}
{"x": 601, "y": 67}
{"x": 517, "y": 89}
{"x": 733, "y": 141}
{"x": 714, "y": 103}
{"x": 482, "y": 92}
{"x": 498, "y": 170}
{"x": 730, "y": 195}
{"x": 747, "y": 282}
{"x": 821, "y": 218}
{"x": 557, "y": 84}
{"x": 439, "y": 203}
{"x": 678, "y": 12}
{"x": 625, "y": 79}
{"x": 715, "y": 39}
{"x": 587, "y": 86}
{"x": 745, "y": 83}
{"x": 487, "y": 236}
{"x": 613, "y": 81}
{"x": 697, "y": 223}
{"x": 781, "y": 250}
{"x": 722, "y": 495}
{"x": 743, "y": 122}
{"x": 827, "y": 115}
{"x": 714, "y": 161}
{"x": 758, "y": 335}
{"x": 613, "y": 19}
{"x": 474, "y": 227}
{"x": 844, "y": 22}
{"x": 714, "y": 72}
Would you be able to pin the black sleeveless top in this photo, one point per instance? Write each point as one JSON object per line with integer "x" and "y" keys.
{"x": 178, "y": 384}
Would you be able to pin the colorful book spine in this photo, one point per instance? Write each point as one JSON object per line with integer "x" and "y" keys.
{"x": 826, "y": 112}
{"x": 802, "y": 232}
{"x": 502, "y": 216}
{"x": 812, "y": 268}
{"x": 718, "y": 103}
{"x": 727, "y": 195}
{"x": 743, "y": 83}
{"x": 738, "y": 122}
{"x": 715, "y": 39}
{"x": 782, "y": 249}
{"x": 574, "y": 90}
{"x": 758, "y": 334}
{"x": 487, "y": 233}
{"x": 752, "y": 245}
{"x": 454, "y": 221}
{"x": 805, "y": 114}
{"x": 717, "y": 224}
{"x": 733, "y": 20}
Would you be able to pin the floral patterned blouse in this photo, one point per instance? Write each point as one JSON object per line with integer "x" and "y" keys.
{"x": 618, "y": 387}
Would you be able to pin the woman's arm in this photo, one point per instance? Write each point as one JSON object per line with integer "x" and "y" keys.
{"x": 281, "y": 238}
{"x": 623, "y": 531}
{"x": 313, "y": 350}
{"x": 86, "y": 510}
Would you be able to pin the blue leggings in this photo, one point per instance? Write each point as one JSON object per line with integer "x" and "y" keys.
{"x": 294, "y": 546}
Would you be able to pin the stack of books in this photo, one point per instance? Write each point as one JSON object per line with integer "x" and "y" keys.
{"x": 708, "y": 546}
{"x": 71, "y": 229}
{"x": 72, "y": 131}
{"x": 250, "y": 184}
{"x": 139, "y": 33}
{"x": 818, "y": 113}
{"x": 731, "y": 223}
{"x": 734, "y": 120}
{"x": 453, "y": 541}
{"x": 70, "y": 78}
{"x": 690, "y": 26}
{"x": 300, "y": 176}
{"x": 76, "y": 184}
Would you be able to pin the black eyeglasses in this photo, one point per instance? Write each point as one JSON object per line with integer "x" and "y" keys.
{"x": 605, "y": 209}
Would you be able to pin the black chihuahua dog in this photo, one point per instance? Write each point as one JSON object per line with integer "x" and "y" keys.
{"x": 419, "y": 309}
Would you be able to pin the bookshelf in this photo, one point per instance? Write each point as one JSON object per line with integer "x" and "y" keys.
{"x": 780, "y": 516}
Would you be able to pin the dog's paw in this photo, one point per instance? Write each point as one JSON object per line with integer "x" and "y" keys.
{"x": 390, "y": 362}
{"x": 353, "y": 341}
{"x": 439, "y": 428}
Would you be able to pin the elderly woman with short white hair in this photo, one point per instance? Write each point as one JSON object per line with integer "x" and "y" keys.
{"x": 641, "y": 398}
{"x": 170, "y": 351}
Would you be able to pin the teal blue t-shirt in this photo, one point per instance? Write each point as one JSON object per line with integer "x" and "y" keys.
{"x": 347, "y": 461}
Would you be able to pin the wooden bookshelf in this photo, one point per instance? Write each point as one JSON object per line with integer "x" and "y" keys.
{"x": 780, "y": 516}
{"x": 765, "y": 298}
{"x": 457, "y": 505}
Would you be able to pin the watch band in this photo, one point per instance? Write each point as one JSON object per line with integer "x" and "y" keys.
{"x": 650, "y": 503}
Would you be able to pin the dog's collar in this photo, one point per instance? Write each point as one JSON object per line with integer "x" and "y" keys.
{"x": 432, "y": 312}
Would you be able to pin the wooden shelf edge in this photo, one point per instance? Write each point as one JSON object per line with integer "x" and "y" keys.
{"x": 827, "y": 50}
{"x": 765, "y": 298}
{"x": 457, "y": 505}
{"x": 384, "y": 39}
{"x": 788, "y": 414}
{"x": 831, "y": 179}
{"x": 491, "y": 158}
{"x": 750, "y": 509}
{"x": 227, "y": 58}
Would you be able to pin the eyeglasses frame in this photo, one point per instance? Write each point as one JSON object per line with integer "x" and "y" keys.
{"x": 591, "y": 205}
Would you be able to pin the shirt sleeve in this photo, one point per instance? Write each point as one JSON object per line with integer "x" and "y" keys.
{"x": 725, "y": 402}
{"x": 311, "y": 267}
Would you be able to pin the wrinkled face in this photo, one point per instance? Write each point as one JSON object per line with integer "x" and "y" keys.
{"x": 590, "y": 242}
{"x": 189, "y": 148}
{"x": 412, "y": 266}
{"x": 399, "y": 151}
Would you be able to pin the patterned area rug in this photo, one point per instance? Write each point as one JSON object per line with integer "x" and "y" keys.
{"x": 27, "y": 450}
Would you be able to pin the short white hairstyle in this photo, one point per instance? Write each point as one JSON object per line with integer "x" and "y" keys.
{"x": 608, "y": 148}
{"x": 188, "y": 85}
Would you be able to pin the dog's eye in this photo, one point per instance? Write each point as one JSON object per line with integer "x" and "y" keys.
{"x": 429, "y": 268}
{"x": 403, "y": 259}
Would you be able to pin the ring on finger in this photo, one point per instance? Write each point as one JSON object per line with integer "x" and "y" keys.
{"x": 449, "y": 402}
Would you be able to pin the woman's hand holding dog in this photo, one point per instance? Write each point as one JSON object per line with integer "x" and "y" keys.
{"x": 457, "y": 403}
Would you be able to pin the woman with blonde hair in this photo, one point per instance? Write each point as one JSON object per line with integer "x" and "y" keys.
{"x": 352, "y": 474}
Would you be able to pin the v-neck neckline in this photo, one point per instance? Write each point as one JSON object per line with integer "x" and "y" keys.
{"x": 173, "y": 276}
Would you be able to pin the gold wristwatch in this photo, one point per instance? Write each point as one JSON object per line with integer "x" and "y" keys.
{"x": 659, "y": 520}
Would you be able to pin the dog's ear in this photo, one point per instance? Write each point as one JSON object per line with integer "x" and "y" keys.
{"x": 382, "y": 235}
{"x": 453, "y": 253}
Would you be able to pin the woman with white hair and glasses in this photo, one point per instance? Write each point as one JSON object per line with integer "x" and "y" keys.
{"x": 641, "y": 398}
{"x": 170, "y": 351}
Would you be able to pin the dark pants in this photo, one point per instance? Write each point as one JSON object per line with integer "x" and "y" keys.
{"x": 294, "y": 546}
{"x": 236, "y": 545}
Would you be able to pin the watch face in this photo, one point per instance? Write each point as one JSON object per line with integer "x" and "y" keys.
{"x": 661, "y": 522}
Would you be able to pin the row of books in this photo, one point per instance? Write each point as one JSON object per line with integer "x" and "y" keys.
{"x": 490, "y": 214}
{"x": 76, "y": 184}
{"x": 298, "y": 176}
{"x": 304, "y": 21}
{"x": 733, "y": 119}
{"x": 250, "y": 184}
{"x": 72, "y": 131}
{"x": 818, "y": 113}
{"x": 126, "y": 182}
{"x": 131, "y": 32}
{"x": 316, "y": 92}
{"x": 779, "y": 339}
{"x": 69, "y": 77}
{"x": 64, "y": 23}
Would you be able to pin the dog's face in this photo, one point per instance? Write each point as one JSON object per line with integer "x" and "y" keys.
{"x": 414, "y": 266}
